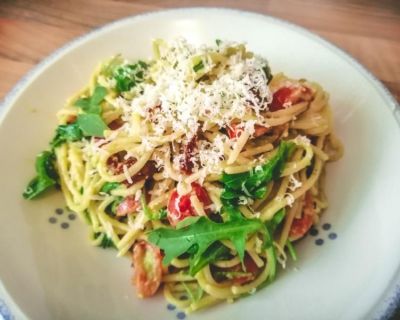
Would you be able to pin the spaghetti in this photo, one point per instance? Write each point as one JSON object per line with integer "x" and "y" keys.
{"x": 200, "y": 164}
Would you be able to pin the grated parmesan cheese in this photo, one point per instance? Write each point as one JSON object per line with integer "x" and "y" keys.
{"x": 126, "y": 173}
{"x": 302, "y": 140}
{"x": 294, "y": 184}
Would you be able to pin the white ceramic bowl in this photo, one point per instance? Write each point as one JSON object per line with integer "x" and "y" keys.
{"x": 48, "y": 272}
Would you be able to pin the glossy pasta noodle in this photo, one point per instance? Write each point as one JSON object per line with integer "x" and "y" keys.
{"x": 199, "y": 164}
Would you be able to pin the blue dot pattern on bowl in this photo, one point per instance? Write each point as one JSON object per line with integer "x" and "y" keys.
{"x": 170, "y": 307}
{"x": 5, "y": 311}
{"x": 179, "y": 315}
{"x": 58, "y": 218}
{"x": 332, "y": 236}
{"x": 65, "y": 225}
{"x": 52, "y": 220}
{"x": 324, "y": 228}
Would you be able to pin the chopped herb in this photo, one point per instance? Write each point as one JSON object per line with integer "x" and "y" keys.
{"x": 92, "y": 104}
{"x": 128, "y": 76}
{"x": 267, "y": 72}
{"x": 218, "y": 42}
{"x": 291, "y": 250}
{"x": 109, "y": 186}
{"x": 276, "y": 220}
{"x": 150, "y": 214}
{"x": 162, "y": 214}
{"x": 111, "y": 209}
{"x": 213, "y": 253}
{"x": 46, "y": 175}
{"x": 105, "y": 242}
{"x": 68, "y": 132}
{"x": 92, "y": 125}
{"x": 199, "y": 66}
{"x": 252, "y": 184}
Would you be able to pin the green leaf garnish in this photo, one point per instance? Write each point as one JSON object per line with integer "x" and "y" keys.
{"x": 252, "y": 184}
{"x": 68, "y": 132}
{"x": 276, "y": 220}
{"x": 267, "y": 72}
{"x": 213, "y": 253}
{"x": 111, "y": 209}
{"x": 128, "y": 76}
{"x": 109, "y": 186}
{"x": 92, "y": 104}
{"x": 162, "y": 214}
{"x": 150, "y": 214}
{"x": 198, "y": 236}
{"x": 105, "y": 242}
{"x": 46, "y": 176}
{"x": 199, "y": 66}
{"x": 292, "y": 250}
{"x": 92, "y": 125}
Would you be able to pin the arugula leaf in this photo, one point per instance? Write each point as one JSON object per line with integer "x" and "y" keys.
{"x": 268, "y": 73}
{"x": 46, "y": 176}
{"x": 292, "y": 250}
{"x": 109, "y": 186}
{"x": 68, "y": 132}
{"x": 213, "y": 253}
{"x": 111, "y": 209}
{"x": 92, "y": 104}
{"x": 276, "y": 220}
{"x": 252, "y": 184}
{"x": 201, "y": 234}
{"x": 92, "y": 125}
{"x": 162, "y": 214}
{"x": 271, "y": 255}
{"x": 105, "y": 242}
{"x": 199, "y": 66}
{"x": 150, "y": 214}
{"x": 98, "y": 95}
{"x": 128, "y": 76}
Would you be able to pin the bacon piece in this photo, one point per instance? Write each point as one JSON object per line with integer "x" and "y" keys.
{"x": 117, "y": 161}
{"x": 189, "y": 150}
{"x": 147, "y": 264}
{"x": 116, "y": 124}
{"x": 301, "y": 226}
{"x": 127, "y": 206}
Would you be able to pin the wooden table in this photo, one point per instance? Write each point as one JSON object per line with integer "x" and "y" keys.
{"x": 369, "y": 30}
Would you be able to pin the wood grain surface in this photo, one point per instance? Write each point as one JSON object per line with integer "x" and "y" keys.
{"x": 368, "y": 30}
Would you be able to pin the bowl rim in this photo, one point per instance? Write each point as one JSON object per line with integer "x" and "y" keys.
{"x": 386, "y": 306}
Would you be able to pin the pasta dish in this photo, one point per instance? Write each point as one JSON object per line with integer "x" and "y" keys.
{"x": 199, "y": 164}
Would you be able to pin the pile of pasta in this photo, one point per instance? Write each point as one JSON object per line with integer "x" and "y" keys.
{"x": 237, "y": 179}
